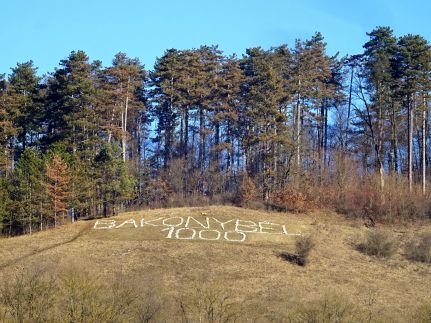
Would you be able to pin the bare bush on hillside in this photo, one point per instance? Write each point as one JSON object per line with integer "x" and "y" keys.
{"x": 27, "y": 296}
{"x": 210, "y": 303}
{"x": 328, "y": 309}
{"x": 378, "y": 243}
{"x": 419, "y": 249}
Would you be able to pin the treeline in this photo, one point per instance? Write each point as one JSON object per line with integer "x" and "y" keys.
{"x": 288, "y": 127}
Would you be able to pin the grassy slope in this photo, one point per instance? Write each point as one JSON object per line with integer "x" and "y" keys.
{"x": 250, "y": 270}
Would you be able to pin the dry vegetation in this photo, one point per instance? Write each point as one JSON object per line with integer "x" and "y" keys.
{"x": 76, "y": 274}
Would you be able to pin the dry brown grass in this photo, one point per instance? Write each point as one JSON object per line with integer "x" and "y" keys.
{"x": 251, "y": 273}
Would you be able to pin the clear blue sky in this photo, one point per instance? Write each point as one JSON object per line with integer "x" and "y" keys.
{"x": 47, "y": 30}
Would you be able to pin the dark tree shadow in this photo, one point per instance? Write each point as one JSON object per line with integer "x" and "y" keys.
{"x": 292, "y": 258}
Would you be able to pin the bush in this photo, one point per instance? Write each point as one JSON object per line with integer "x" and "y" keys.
{"x": 378, "y": 243}
{"x": 35, "y": 296}
{"x": 327, "y": 310}
{"x": 290, "y": 199}
{"x": 247, "y": 191}
{"x": 27, "y": 297}
{"x": 364, "y": 199}
{"x": 423, "y": 315}
{"x": 419, "y": 249}
{"x": 360, "y": 203}
{"x": 303, "y": 246}
{"x": 209, "y": 303}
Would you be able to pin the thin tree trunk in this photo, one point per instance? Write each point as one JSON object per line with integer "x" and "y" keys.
{"x": 394, "y": 140}
{"x": 216, "y": 144}
{"x": 31, "y": 209}
{"x": 424, "y": 117}
{"x": 41, "y": 216}
{"x": 124, "y": 134}
{"x": 410, "y": 144}
{"x": 201, "y": 139}
{"x": 186, "y": 133}
{"x": 380, "y": 150}
{"x": 325, "y": 135}
{"x": 298, "y": 129}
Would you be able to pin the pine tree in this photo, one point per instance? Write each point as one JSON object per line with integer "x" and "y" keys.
{"x": 114, "y": 183}
{"x": 71, "y": 114}
{"x": 414, "y": 68}
{"x": 378, "y": 57}
{"x": 225, "y": 119}
{"x": 124, "y": 85}
{"x": 24, "y": 92}
{"x": 167, "y": 102}
{"x": 57, "y": 179}
{"x": 265, "y": 122}
{"x": 7, "y": 129}
{"x": 310, "y": 93}
{"x": 6, "y": 203}
{"x": 27, "y": 190}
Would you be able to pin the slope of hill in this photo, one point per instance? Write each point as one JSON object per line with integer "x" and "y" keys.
{"x": 186, "y": 251}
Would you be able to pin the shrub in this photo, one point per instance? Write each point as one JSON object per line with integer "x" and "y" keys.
{"x": 360, "y": 203}
{"x": 35, "y": 296}
{"x": 83, "y": 298}
{"x": 423, "y": 314}
{"x": 364, "y": 199}
{"x": 291, "y": 200}
{"x": 419, "y": 249}
{"x": 209, "y": 303}
{"x": 378, "y": 243}
{"x": 303, "y": 246}
{"x": 247, "y": 191}
{"x": 327, "y": 310}
{"x": 27, "y": 297}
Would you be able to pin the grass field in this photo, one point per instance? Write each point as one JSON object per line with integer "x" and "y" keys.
{"x": 263, "y": 286}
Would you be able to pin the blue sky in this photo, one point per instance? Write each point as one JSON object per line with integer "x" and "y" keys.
{"x": 47, "y": 30}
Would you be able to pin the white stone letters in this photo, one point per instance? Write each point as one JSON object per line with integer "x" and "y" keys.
{"x": 131, "y": 222}
{"x": 104, "y": 224}
{"x": 193, "y": 223}
{"x": 245, "y": 226}
{"x": 199, "y": 228}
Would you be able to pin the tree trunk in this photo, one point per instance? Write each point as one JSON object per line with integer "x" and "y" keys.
{"x": 201, "y": 161}
{"x": 325, "y": 134}
{"x": 349, "y": 109}
{"x": 410, "y": 111}
{"x": 186, "y": 133}
{"x": 298, "y": 129}
{"x": 380, "y": 150}
{"x": 424, "y": 117}
{"x": 216, "y": 144}
{"x": 124, "y": 132}
{"x": 394, "y": 140}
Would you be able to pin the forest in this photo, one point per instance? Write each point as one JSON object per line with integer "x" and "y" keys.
{"x": 285, "y": 128}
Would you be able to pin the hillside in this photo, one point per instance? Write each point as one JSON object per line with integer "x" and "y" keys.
{"x": 161, "y": 255}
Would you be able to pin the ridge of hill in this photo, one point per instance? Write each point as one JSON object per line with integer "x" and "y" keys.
{"x": 237, "y": 249}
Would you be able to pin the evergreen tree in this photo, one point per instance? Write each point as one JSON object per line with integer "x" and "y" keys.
{"x": 265, "y": 123}
{"x": 414, "y": 68}
{"x": 124, "y": 86}
{"x": 167, "y": 99}
{"x": 57, "y": 179}
{"x": 7, "y": 129}
{"x": 225, "y": 119}
{"x": 25, "y": 100}
{"x": 27, "y": 190}
{"x": 71, "y": 114}
{"x": 114, "y": 184}
{"x": 378, "y": 60}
